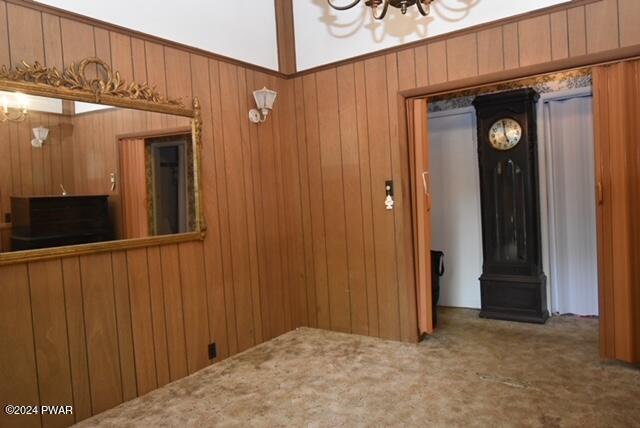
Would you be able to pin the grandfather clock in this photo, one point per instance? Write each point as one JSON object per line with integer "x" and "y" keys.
{"x": 513, "y": 284}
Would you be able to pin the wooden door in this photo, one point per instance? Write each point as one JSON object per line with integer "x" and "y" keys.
{"x": 421, "y": 180}
{"x": 133, "y": 188}
{"x": 616, "y": 91}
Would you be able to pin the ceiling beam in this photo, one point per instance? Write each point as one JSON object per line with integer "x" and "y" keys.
{"x": 286, "y": 36}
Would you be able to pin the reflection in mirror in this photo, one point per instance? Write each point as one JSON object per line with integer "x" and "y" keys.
{"x": 74, "y": 173}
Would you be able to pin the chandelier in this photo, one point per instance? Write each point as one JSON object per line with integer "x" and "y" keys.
{"x": 379, "y": 8}
{"x": 19, "y": 114}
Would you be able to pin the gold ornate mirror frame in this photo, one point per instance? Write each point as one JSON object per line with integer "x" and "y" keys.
{"x": 110, "y": 89}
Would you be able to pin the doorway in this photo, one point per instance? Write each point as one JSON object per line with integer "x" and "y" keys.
{"x": 566, "y": 173}
{"x": 169, "y": 186}
{"x": 157, "y": 185}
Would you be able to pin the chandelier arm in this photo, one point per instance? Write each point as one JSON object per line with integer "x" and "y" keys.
{"x": 384, "y": 11}
{"x": 349, "y": 6}
{"x": 424, "y": 11}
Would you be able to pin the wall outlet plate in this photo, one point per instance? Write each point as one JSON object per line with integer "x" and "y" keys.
{"x": 212, "y": 351}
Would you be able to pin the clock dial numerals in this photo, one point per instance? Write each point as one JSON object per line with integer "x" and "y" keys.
{"x": 505, "y": 134}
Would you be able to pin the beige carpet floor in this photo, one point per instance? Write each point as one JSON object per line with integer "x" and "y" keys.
{"x": 472, "y": 373}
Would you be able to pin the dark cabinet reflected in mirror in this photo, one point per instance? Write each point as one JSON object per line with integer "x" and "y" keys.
{"x": 75, "y": 173}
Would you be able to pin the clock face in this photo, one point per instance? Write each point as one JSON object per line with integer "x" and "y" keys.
{"x": 505, "y": 134}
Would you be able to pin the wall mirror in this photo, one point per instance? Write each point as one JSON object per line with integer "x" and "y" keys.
{"x": 89, "y": 162}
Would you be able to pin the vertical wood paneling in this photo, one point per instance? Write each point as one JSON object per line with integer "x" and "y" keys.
{"x": 629, "y": 13}
{"x": 245, "y": 99}
{"x": 395, "y": 104}
{"x": 380, "y": 171}
{"x": 510, "y": 44}
{"x": 234, "y": 171}
{"x": 577, "y": 31}
{"x": 178, "y": 69}
{"x": 305, "y": 202}
{"x": 284, "y": 243}
{"x": 102, "y": 44}
{"x": 77, "y": 338}
{"x": 602, "y": 26}
{"x": 422, "y": 66}
{"x": 52, "y": 40}
{"x": 333, "y": 200}
{"x": 50, "y": 338}
{"x": 123, "y": 319}
{"x": 490, "y": 52}
{"x": 291, "y": 211}
{"x": 158, "y": 315}
{"x": 19, "y": 384}
{"x": 223, "y": 211}
{"x": 173, "y": 303}
{"x": 77, "y": 41}
{"x": 194, "y": 298}
{"x": 437, "y": 64}
{"x": 141, "y": 320}
{"x": 534, "y": 37}
{"x": 559, "y": 35}
{"x": 25, "y": 34}
{"x": 121, "y": 55}
{"x": 5, "y": 57}
{"x": 316, "y": 195}
{"x": 101, "y": 331}
{"x": 139, "y": 60}
{"x": 462, "y": 57}
{"x": 258, "y": 223}
{"x": 352, "y": 195}
{"x": 367, "y": 198}
{"x": 202, "y": 88}
{"x": 273, "y": 297}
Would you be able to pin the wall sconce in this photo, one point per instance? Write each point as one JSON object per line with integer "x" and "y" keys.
{"x": 40, "y": 133}
{"x": 264, "y": 101}
{"x": 15, "y": 116}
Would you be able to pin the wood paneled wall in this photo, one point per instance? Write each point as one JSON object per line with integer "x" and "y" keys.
{"x": 96, "y": 330}
{"x": 25, "y": 170}
{"x": 351, "y": 135}
{"x": 617, "y": 108}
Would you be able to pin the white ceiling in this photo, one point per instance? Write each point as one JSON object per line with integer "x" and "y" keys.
{"x": 324, "y": 35}
{"x": 242, "y": 29}
{"x": 246, "y": 29}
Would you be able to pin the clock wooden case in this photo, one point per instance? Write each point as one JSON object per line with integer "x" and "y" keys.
{"x": 513, "y": 284}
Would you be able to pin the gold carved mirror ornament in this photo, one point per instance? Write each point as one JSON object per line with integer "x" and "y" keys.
{"x": 93, "y": 81}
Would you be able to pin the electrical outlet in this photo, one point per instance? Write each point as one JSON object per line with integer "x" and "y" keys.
{"x": 7, "y": 218}
{"x": 212, "y": 351}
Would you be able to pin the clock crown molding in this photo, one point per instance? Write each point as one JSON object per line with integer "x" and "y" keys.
{"x": 526, "y": 95}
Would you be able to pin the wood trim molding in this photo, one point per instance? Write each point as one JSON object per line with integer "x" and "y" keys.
{"x": 286, "y": 36}
{"x": 98, "y": 247}
{"x": 593, "y": 60}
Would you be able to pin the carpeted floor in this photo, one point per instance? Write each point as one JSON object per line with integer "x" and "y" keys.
{"x": 472, "y": 373}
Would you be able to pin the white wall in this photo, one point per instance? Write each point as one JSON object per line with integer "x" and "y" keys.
{"x": 324, "y": 35}
{"x": 456, "y": 225}
{"x": 242, "y": 29}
